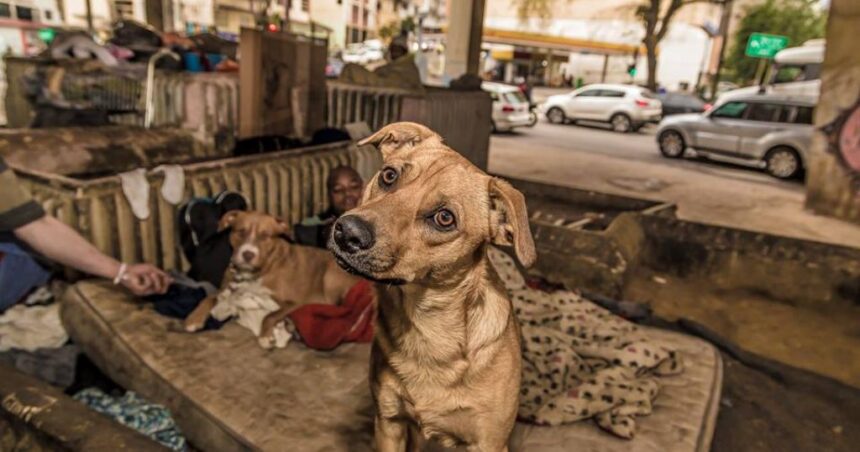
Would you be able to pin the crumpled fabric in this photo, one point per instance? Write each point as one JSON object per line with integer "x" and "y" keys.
{"x": 250, "y": 302}
{"x": 31, "y": 328}
{"x": 150, "y": 419}
{"x": 580, "y": 361}
{"x": 325, "y": 326}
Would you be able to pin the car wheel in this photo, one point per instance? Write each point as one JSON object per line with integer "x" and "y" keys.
{"x": 621, "y": 123}
{"x": 493, "y": 128}
{"x": 671, "y": 144}
{"x": 783, "y": 162}
{"x": 533, "y": 119}
{"x": 555, "y": 115}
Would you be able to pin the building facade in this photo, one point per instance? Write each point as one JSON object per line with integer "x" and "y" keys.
{"x": 349, "y": 21}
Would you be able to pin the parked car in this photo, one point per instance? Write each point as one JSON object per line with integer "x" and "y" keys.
{"x": 333, "y": 67}
{"x": 773, "y": 131}
{"x": 364, "y": 52}
{"x": 625, "y": 107}
{"x": 795, "y": 71}
{"x": 510, "y": 107}
{"x": 679, "y": 102}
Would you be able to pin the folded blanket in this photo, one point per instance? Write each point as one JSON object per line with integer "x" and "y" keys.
{"x": 579, "y": 360}
{"x": 324, "y": 327}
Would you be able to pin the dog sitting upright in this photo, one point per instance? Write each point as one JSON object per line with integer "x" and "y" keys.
{"x": 445, "y": 361}
{"x": 270, "y": 267}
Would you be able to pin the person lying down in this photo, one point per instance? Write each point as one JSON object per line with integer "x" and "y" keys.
{"x": 580, "y": 361}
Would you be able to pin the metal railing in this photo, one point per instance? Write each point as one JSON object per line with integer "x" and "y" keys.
{"x": 377, "y": 106}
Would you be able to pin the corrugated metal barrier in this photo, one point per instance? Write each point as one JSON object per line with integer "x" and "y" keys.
{"x": 289, "y": 184}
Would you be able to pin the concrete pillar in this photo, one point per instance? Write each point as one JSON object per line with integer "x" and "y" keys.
{"x": 463, "y": 37}
{"x": 605, "y": 68}
{"x": 833, "y": 170}
{"x": 509, "y": 72}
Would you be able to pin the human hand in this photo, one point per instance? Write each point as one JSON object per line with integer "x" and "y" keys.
{"x": 145, "y": 279}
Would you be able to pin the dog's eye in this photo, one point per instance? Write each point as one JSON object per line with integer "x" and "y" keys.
{"x": 444, "y": 219}
{"x": 388, "y": 176}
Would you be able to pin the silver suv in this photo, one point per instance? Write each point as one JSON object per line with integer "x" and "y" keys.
{"x": 773, "y": 131}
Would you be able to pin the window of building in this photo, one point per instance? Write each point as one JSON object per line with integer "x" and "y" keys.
{"x": 24, "y": 13}
{"x": 306, "y": 5}
{"x": 354, "y": 16}
{"x": 124, "y": 8}
{"x": 48, "y": 14}
{"x": 5, "y": 10}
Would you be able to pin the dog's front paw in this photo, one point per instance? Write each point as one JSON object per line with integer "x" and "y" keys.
{"x": 267, "y": 342}
{"x": 192, "y": 326}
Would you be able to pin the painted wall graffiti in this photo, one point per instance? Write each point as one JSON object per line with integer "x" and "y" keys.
{"x": 843, "y": 136}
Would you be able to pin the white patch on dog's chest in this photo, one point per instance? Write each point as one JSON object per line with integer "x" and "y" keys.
{"x": 247, "y": 299}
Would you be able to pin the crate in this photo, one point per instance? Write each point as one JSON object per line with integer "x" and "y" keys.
{"x": 289, "y": 184}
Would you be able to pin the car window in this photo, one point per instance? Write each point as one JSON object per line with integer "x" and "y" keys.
{"x": 730, "y": 110}
{"x": 764, "y": 112}
{"x": 494, "y": 95}
{"x": 514, "y": 97}
{"x": 648, "y": 94}
{"x": 804, "y": 115}
{"x": 589, "y": 93}
{"x": 611, "y": 93}
{"x": 790, "y": 73}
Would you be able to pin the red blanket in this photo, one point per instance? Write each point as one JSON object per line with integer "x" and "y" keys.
{"x": 324, "y": 327}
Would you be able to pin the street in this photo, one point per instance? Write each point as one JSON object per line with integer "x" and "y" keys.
{"x": 593, "y": 157}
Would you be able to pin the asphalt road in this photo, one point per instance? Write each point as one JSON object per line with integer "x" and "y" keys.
{"x": 593, "y": 157}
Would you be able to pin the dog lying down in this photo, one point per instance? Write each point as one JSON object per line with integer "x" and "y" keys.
{"x": 445, "y": 360}
{"x": 268, "y": 277}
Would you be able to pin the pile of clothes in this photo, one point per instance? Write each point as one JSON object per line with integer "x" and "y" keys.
{"x": 152, "y": 420}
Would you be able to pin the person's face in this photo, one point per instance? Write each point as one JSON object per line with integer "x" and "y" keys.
{"x": 345, "y": 193}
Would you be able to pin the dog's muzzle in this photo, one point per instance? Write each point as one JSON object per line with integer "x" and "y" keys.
{"x": 353, "y": 234}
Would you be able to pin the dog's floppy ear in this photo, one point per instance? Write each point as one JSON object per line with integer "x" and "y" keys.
{"x": 509, "y": 220}
{"x": 400, "y": 135}
{"x": 284, "y": 229}
{"x": 228, "y": 219}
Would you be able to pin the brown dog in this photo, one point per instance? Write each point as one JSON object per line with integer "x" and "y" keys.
{"x": 294, "y": 274}
{"x": 445, "y": 361}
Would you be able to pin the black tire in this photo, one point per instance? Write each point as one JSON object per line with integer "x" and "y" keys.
{"x": 621, "y": 123}
{"x": 556, "y": 115}
{"x": 533, "y": 118}
{"x": 783, "y": 162}
{"x": 493, "y": 128}
{"x": 671, "y": 144}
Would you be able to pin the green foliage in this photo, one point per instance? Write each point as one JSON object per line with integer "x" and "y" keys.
{"x": 389, "y": 30}
{"x": 534, "y": 8}
{"x": 800, "y": 20}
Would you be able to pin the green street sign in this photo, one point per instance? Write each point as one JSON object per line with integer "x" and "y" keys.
{"x": 763, "y": 45}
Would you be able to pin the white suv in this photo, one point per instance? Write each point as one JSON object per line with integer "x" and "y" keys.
{"x": 625, "y": 107}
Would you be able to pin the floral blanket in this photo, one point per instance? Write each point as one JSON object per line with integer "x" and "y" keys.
{"x": 580, "y": 361}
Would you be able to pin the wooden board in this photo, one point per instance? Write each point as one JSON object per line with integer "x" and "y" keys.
{"x": 279, "y": 75}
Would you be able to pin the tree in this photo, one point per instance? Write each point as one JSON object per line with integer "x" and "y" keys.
{"x": 655, "y": 15}
{"x": 800, "y": 20}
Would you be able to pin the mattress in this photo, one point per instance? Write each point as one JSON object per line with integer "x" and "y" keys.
{"x": 226, "y": 393}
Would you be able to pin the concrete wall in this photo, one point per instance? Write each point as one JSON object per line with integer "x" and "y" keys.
{"x": 833, "y": 181}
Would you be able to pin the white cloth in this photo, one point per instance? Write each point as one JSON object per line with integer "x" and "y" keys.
{"x": 31, "y": 328}
{"x": 135, "y": 187}
{"x": 248, "y": 300}
{"x": 173, "y": 187}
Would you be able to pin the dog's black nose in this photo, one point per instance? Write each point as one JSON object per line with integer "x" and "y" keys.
{"x": 353, "y": 234}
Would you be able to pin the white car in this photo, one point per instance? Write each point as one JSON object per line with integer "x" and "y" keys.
{"x": 510, "y": 107}
{"x": 625, "y": 107}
